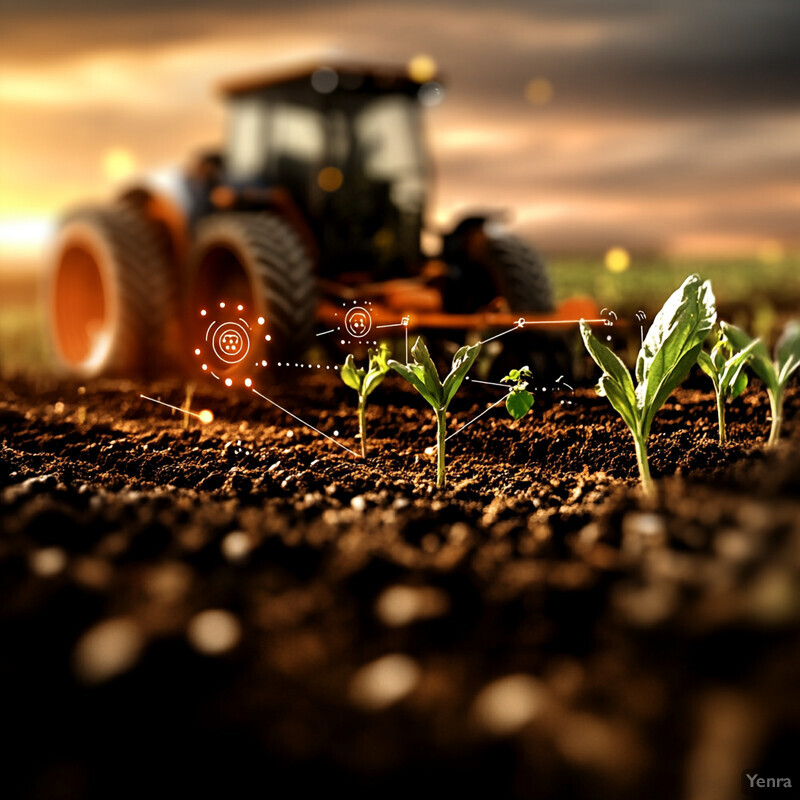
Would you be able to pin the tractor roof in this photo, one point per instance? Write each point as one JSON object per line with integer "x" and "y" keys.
{"x": 353, "y": 78}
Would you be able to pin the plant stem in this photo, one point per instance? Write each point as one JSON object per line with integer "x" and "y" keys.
{"x": 441, "y": 429}
{"x": 362, "y": 423}
{"x": 776, "y": 409}
{"x": 644, "y": 466}
{"x": 721, "y": 414}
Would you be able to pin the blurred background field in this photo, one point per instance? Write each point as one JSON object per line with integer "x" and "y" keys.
{"x": 757, "y": 293}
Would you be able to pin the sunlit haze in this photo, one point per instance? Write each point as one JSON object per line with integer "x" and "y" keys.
{"x": 644, "y": 126}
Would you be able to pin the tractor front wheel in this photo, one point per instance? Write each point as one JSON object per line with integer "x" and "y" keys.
{"x": 258, "y": 260}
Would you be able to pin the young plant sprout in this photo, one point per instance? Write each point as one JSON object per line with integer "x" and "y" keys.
{"x": 365, "y": 381}
{"x": 422, "y": 375}
{"x": 725, "y": 366}
{"x": 669, "y": 351}
{"x": 774, "y": 373}
{"x": 519, "y": 400}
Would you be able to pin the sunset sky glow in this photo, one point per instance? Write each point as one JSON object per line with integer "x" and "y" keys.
{"x": 663, "y": 125}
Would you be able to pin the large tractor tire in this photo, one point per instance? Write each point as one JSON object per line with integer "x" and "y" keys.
{"x": 489, "y": 267}
{"x": 486, "y": 266}
{"x": 519, "y": 274}
{"x": 109, "y": 294}
{"x": 258, "y": 260}
{"x": 524, "y": 284}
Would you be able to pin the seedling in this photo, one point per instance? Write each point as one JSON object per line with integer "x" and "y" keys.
{"x": 519, "y": 399}
{"x": 422, "y": 375}
{"x": 365, "y": 381}
{"x": 725, "y": 366}
{"x": 774, "y": 373}
{"x": 668, "y": 352}
{"x": 187, "y": 404}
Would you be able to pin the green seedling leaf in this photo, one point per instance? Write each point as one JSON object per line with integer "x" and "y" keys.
{"x": 787, "y": 351}
{"x": 758, "y": 360}
{"x": 710, "y": 366}
{"x": 616, "y": 383}
{"x": 378, "y": 367}
{"x": 422, "y": 375}
{"x": 725, "y": 367}
{"x": 462, "y": 361}
{"x": 732, "y": 378}
{"x": 739, "y": 384}
{"x": 416, "y": 380}
{"x": 519, "y": 399}
{"x": 426, "y": 370}
{"x": 516, "y": 375}
{"x": 365, "y": 381}
{"x": 352, "y": 375}
{"x": 774, "y": 374}
{"x": 672, "y": 345}
{"x": 518, "y": 403}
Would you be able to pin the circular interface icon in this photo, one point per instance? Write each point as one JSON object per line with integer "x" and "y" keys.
{"x": 358, "y": 322}
{"x": 231, "y": 342}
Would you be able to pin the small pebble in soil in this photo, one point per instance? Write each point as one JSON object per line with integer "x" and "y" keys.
{"x": 508, "y": 704}
{"x": 47, "y": 561}
{"x": 384, "y": 682}
{"x": 214, "y": 632}
{"x": 236, "y": 546}
{"x": 773, "y": 598}
{"x": 92, "y": 573}
{"x": 642, "y": 530}
{"x": 402, "y": 605}
{"x": 108, "y": 649}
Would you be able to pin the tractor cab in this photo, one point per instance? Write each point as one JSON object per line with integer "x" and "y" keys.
{"x": 346, "y": 148}
{"x": 315, "y": 200}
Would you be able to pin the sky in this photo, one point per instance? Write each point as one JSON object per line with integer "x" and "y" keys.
{"x": 660, "y": 125}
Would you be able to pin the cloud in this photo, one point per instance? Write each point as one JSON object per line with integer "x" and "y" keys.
{"x": 668, "y": 118}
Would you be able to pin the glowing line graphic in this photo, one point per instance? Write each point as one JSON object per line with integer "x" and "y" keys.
{"x": 332, "y": 330}
{"x": 486, "y": 411}
{"x": 560, "y": 321}
{"x": 393, "y": 325}
{"x": 489, "y": 383}
{"x": 169, "y": 405}
{"x": 303, "y": 422}
{"x": 491, "y": 338}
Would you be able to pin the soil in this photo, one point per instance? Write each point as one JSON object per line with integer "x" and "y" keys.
{"x": 538, "y": 628}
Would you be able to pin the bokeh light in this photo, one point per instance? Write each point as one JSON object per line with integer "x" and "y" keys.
{"x": 430, "y": 94}
{"x": 330, "y": 179}
{"x": 206, "y": 416}
{"x": 617, "y": 259}
{"x": 324, "y": 80}
{"x": 771, "y": 251}
{"x": 422, "y": 68}
{"x": 539, "y": 91}
{"x": 119, "y": 164}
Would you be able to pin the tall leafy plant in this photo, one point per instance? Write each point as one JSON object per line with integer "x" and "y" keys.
{"x": 774, "y": 372}
{"x": 422, "y": 375}
{"x": 668, "y": 352}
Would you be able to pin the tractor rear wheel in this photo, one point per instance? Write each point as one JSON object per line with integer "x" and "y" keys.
{"x": 489, "y": 266}
{"x": 108, "y": 294}
{"x": 519, "y": 274}
{"x": 258, "y": 260}
{"x": 522, "y": 280}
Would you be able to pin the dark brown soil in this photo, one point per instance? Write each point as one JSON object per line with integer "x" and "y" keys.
{"x": 554, "y": 633}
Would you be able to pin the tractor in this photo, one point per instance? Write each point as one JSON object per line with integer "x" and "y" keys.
{"x": 317, "y": 199}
